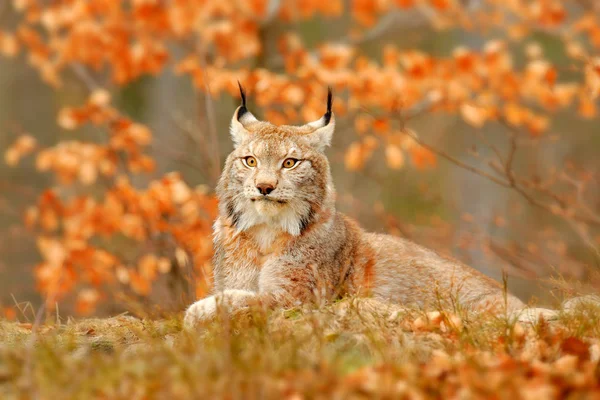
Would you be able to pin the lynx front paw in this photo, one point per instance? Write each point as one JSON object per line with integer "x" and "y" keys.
{"x": 201, "y": 311}
{"x": 206, "y": 309}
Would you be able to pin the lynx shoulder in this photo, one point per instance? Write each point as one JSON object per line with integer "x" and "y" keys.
{"x": 279, "y": 240}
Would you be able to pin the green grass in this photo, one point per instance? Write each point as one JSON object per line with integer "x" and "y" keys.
{"x": 350, "y": 349}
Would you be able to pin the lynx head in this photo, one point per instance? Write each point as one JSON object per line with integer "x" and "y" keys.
{"x": 276, "y": 176}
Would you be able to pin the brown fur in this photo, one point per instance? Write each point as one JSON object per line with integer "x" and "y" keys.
{"x": 292, "y": 247}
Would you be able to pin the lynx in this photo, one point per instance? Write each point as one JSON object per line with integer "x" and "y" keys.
{"x": 280, "y": 242}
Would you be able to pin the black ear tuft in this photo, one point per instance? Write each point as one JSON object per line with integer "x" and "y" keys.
{"x": 242, "y": 94}
{"x": 243, "y": 110}
{"x": 327, "y": 115}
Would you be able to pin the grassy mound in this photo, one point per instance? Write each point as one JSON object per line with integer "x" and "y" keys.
{"x": 350, "y": 349}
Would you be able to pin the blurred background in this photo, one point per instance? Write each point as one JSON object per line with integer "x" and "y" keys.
{"x": 469, "y": 126}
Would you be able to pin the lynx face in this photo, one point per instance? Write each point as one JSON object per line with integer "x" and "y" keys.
{"x": 277, "y": 176}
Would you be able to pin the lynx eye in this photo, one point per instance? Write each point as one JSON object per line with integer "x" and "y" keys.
{"x": 249, "y": 161}
{"x": 290, "y": 163}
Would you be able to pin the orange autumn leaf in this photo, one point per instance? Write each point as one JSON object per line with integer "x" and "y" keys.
{"x": 405, "y": 3}
{"x": 9, "y": 313}
{"x": 9, "y": 45}
{"x": 466, "y": 60}
{"x": 139, "y": 284}
{"x": 333, "y": 8}
{"x": 100, "y": 98}
{"x": 88, "y": 173}
{"x": 394, "y": 157}
{"x": 551, "y": 76}
{"x": 148, "y": 267}
{"x": 474, "y": 115}
{"x": 24, "y": 145}
{"x": 355, "y": 157}
{"x": 576, "y": 347}
{"x": 592, "y": 78}
{"x": 381, "y": 125}
{"x": 423, "y": 158}
{"x": 67, "y": 119}
{"x": 537, "y": 125}
{"x": 441, "y": 4}
{"x": 164, "y": 265}
{"x": 587, "y": 108}
{"x": 534, "y": 51}
{"x": 364, "y": 11}
{"x": 363, "y": 123}
{"x": 515, "y": 114}
{"x": 86, "y": 302}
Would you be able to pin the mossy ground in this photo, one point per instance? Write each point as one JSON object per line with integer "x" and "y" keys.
{"x": 350, "y": 349}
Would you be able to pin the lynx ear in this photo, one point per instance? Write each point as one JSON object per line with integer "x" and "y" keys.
{"x": 241, "y": 121}
{"x": 321, "y": 136}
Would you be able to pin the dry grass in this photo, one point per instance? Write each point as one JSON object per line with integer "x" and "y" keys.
{"x": 350, "y": 349}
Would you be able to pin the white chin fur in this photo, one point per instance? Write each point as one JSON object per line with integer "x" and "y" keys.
{"x": 283, "y": 217}
{"x": 268, "y": 209}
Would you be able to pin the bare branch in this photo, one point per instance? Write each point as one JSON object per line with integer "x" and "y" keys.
{"x": 510, "y": 181}
{"x": 457, "y": 162}
{"x": 211, "y": 151}
{"x": 84, "y": 75}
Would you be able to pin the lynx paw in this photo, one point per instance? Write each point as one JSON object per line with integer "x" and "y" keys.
{"x": 206, "y": 309}
{"x": 202, "y": 310}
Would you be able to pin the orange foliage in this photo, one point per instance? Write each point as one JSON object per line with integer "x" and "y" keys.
{"x": 216, "y": 43}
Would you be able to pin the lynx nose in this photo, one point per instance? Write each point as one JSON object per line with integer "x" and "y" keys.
{"x": 265, "y": 188}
